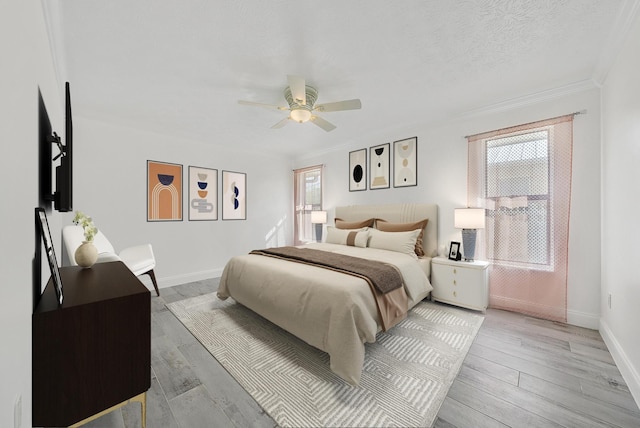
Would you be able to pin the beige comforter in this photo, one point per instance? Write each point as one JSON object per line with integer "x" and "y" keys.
{"x": 332, "y": 311}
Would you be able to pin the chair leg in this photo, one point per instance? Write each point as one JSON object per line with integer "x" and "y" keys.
{"x": 153, "y": 279}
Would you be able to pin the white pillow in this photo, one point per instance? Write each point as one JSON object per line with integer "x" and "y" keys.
{"x": 401, "y": 242}
{"x": 352, "y": 237}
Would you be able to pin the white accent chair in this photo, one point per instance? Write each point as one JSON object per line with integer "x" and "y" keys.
{"x": 139, "y": 259}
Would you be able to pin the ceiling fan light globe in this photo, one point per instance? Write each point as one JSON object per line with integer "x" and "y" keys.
{"x": 300, "y": 115}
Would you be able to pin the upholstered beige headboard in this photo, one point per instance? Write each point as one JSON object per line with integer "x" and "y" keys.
{"x": 398, "y": 213}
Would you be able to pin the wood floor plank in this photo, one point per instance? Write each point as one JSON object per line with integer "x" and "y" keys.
{"x": 524, "y": 399}
{"x": 592, "y": 353}
{"x": 501, "y": 410}
{"x": 456, "y": 414}
{"x": 577, "y": 365}
{"x": 493, "y": 369}
{"x": 578, "y": 403}
{"x": 522, "y": 365}
{"x": 172, "y": 369}
{"x": 196, "y": 408}
{"x": 609, "y": 394}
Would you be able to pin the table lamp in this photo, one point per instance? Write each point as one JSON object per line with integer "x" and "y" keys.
{"x": 318, "y": 218}
{"x": 469, "y": 220}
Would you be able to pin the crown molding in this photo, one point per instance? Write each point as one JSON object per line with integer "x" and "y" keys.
{"x": 531, "y": 99}
{"x": 620, "y": 30}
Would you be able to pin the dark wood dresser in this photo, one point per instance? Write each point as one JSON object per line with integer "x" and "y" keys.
{"x": 93, "y": 352}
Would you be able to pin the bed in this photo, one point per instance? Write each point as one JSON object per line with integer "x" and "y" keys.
{"x": 330, "y": 310}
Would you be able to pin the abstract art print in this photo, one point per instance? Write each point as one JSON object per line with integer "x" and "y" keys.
{"x": 405, "y": 155}
{"x": 379, "y": 166}
{"x": 234, "y": 195}
{"x": 358, "y": 170}
{"x": 203, "y": 193}
{"x": 164, "y": 191}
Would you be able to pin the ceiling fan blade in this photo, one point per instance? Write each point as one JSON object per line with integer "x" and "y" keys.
{"x": 282, "y": 123}
{"x": 298, "y": 92}
{"x": 340, "y": 105}
{"x": 268, "y": 106}
{"x": 327, "y": 126}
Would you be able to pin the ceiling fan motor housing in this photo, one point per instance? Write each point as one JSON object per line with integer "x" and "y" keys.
{"x": 311, "y": 94}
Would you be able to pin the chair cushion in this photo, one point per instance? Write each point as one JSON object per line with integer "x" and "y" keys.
{"x": 139, "y": 259}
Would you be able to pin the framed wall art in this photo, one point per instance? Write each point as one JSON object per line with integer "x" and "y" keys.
{"x": 203, "y": 193}
{"x": 234, "y": 195}
{"x": 47, "y": 242}
{"x": 379, "y": 166}
{"x": 164, "y": 191}
{"x": 405, "y": 165}
{"x": 358, "y": 170}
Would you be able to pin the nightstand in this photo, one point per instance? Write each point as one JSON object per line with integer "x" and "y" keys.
{"x": 459, "y": 283}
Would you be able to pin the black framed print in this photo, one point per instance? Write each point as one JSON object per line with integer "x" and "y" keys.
{"x": 41, "y": 217}
{"x": 405, "y": 162}
{"x": 379, "y": 157}
{"x": 358, "y": 170}
{"x": 454, "y": 251}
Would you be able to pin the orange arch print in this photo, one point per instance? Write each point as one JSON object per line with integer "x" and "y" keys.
{"x": 164, "y": 191}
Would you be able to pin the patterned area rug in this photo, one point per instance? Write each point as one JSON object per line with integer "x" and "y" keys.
{"x": 405, "y": 378}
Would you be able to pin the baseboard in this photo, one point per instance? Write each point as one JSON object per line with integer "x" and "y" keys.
{"x": 170, "y": 281}
{"x": 628, "y": 371}
{"x": 583, "y": 319}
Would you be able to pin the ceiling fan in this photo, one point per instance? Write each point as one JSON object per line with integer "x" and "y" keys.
{"x": 302, "y": 105}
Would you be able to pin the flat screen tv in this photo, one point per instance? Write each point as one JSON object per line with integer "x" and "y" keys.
{"x": 46, "y": 138}
{"x": 63, "y": 197}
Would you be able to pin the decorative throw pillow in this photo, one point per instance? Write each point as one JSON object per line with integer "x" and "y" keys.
{"x": 341, "y": 224}
{"x": 385, "y": 226}
{"x": 353, "y": 238}
{"x": 401, "y": 242}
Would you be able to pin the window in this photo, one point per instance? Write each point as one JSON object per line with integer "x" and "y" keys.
{"x": 307, "y": 185}
{"x": 518, "y": 170}
{"x": 522, "y": 177}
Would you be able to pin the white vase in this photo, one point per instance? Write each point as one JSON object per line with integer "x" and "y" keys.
{"x": 86, "y": 254}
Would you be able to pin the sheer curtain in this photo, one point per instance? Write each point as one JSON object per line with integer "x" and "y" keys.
{"x": 522, "y": 176}
{"x": 307, "y": 197}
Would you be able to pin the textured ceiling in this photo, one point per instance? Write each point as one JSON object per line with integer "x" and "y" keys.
{"x": 179, "y": 67}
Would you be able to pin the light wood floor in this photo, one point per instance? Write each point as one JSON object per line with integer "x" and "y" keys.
{"x": 520, "y": 372}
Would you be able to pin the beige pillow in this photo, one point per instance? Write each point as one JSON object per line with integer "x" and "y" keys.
{"x": 341, "y": 224}
{"x": 385, "y": 226}
{"x": 353, "y": 238}
{"x": 401, "y": 242}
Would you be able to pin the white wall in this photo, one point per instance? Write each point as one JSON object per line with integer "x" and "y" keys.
{"x": 26, "y": 64}
{"x": 620, "y": 205}
{"x": 110, "y": 178}
{"x": 442, "y": 178}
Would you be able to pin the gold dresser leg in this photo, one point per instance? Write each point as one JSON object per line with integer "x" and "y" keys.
{"x": 142, "y": 398}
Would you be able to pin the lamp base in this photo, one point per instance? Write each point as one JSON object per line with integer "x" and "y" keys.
{"x": 469, "y": 244}
{"x": 318, "y": 232}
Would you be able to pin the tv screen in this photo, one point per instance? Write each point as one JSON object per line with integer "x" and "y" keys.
{"x": 45, "y": 136}
{"x": 63, "y": 197}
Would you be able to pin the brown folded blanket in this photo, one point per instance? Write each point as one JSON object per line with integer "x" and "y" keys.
{"x": 383, "y": 276}
{"x": 384, "y": 279}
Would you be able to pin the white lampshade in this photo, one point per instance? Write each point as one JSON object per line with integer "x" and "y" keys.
{"x": 300, "y": 115}
{"x": 468, "y": 218}
{"x": 318, "y": 217}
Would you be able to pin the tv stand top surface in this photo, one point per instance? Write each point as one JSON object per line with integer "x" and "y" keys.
{"x": 81, "y": 286}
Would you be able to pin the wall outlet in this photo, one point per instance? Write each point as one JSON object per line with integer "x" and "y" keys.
{"x": 609, "y": 301}
{"x": 17, "y": 413}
